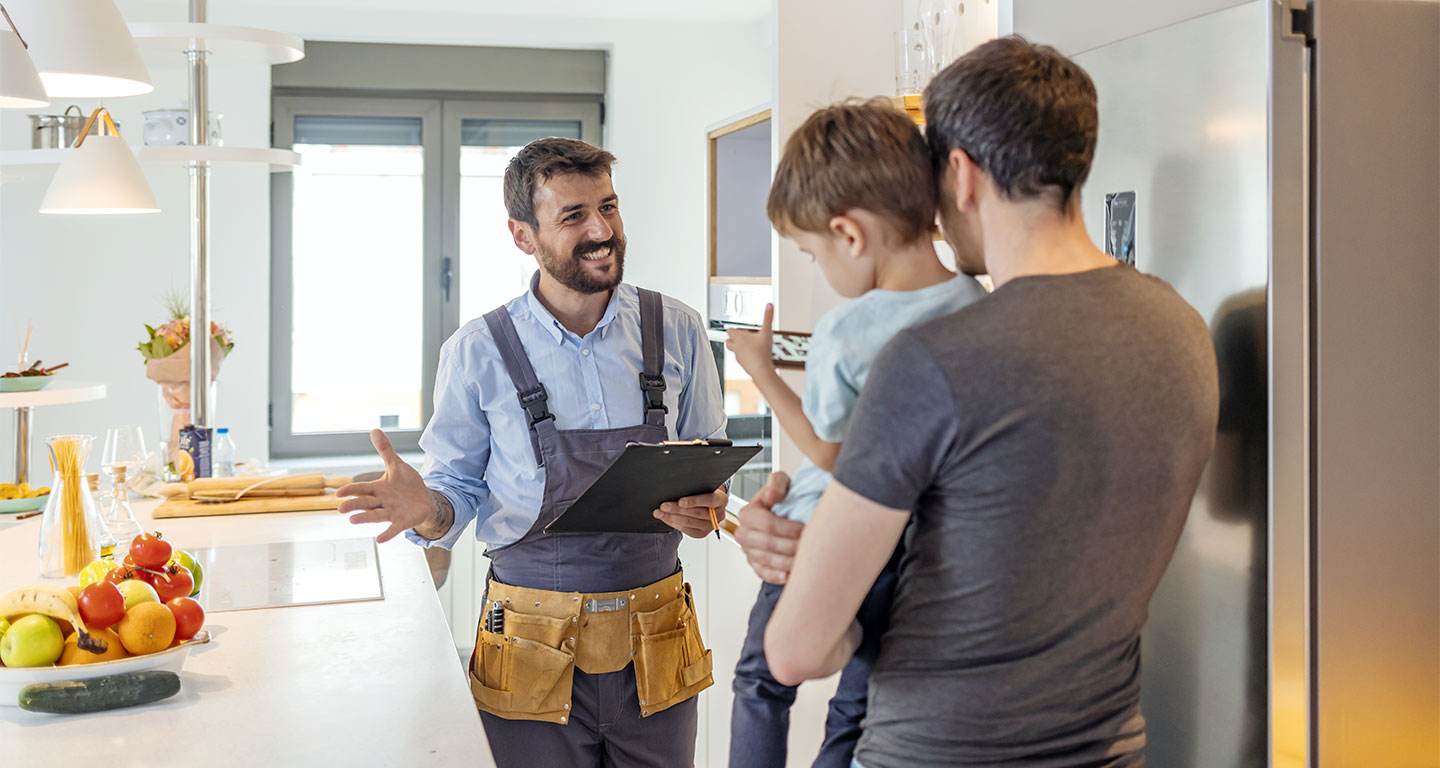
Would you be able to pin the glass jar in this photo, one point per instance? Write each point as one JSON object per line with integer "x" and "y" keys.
{"x": 119, "y": 518}
{"x": 71, "y": 532}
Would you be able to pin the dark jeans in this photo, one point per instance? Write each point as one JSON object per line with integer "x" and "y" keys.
{"x": 760, "y": 718}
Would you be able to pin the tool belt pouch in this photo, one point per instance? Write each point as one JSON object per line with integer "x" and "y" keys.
{"x": 671, "y": 662}
{"x": 526, "y": 671}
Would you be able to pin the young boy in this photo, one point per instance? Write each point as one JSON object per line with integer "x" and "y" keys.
{"x": 856, "y": 191}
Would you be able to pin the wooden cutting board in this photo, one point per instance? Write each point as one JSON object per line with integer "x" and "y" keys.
{"x": 181, "y": 507}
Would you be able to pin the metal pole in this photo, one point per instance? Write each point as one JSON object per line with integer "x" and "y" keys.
{"x": 22, "y": 445}
{"x": 199, "y": 229}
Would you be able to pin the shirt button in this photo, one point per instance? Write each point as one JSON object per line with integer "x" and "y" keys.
{"x": 594, "y": 406}
{"x": 585, "y": 352}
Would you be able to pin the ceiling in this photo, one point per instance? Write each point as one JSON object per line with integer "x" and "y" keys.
{"x": 656, "y": 10}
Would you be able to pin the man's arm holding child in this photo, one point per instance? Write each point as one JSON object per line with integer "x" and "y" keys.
{"x": 752, "y": 349}
{"x": 813, "y": 632}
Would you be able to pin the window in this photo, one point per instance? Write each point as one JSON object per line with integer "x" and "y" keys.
{"x": 390, "y": 235}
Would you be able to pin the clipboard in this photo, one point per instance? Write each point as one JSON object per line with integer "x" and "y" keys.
{"x": 644, "y": 476}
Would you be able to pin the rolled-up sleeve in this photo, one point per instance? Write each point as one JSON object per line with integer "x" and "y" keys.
{"x": 456, "y": 443}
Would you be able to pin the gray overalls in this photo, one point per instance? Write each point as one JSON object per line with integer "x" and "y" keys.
{"x": 549, "y": 591}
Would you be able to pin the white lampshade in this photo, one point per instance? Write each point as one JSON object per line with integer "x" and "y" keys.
{"x": 20, "y": 86}
{"x": 99, "y": 176}
{"x": 81, "y": 48}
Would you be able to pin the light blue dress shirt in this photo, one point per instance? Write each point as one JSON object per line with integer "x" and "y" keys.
{"x": 846, "y": 341}
{"x": 477, "y": 445}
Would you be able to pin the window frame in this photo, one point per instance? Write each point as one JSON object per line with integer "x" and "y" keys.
{"x": 441, "y": 122}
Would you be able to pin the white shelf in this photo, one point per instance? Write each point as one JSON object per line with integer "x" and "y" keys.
{"x": 224, "y": 39}
{"x": 31, "y": 157}
{"x": 279, "y": 159}
{"x": 58, "y": 393}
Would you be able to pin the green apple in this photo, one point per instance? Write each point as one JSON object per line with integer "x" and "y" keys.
{"x": 32, "y": 641}
{"x": 187, "y": 560}
{"x": 136, "y": 592}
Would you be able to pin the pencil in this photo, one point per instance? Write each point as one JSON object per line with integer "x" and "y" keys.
{"x": 713, "y": 522}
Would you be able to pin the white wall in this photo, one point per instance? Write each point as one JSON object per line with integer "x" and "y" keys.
{"x": 1075, "y": 27}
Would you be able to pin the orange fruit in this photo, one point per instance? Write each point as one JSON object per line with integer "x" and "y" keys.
{"x": 146, "y": 628}
{"x": 72, "y": 654}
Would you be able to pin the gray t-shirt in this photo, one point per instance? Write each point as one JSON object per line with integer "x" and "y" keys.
{"x": 1049, "y": 439}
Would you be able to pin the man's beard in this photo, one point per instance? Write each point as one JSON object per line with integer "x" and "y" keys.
{"x": 570, "y": 270}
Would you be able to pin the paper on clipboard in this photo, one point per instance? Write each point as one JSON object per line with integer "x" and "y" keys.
{"x": 644, "y": 476}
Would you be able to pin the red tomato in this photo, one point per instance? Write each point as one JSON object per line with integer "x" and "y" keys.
{"x": 178, "y": 584}
{"x": 189, "y": 617}
{"x": 150, "y": 551}
{"x": 101, "y": 605}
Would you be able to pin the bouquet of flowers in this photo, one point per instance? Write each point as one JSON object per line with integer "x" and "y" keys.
{"x": 167, "y": 363}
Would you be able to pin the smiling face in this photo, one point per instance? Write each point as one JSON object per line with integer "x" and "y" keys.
{"x": 579, "y": 238}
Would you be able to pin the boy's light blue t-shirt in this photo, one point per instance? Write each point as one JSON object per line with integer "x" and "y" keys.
{"x": 844, "y": 344}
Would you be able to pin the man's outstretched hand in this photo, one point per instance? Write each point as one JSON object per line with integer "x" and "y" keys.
{"x": 399, "y": 498}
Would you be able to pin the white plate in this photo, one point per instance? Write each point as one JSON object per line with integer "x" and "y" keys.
{"x": 12, "y": 679}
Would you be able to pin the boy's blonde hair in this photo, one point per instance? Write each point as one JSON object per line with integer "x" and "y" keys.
{"x": 867, "y": 155}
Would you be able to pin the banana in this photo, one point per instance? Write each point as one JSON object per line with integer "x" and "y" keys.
{"x": 53, "y": 601}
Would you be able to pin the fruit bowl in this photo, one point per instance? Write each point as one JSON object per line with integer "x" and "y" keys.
{"x": 12, "y": 679}
{"x": 16, "y": 506}
{"x": 25, "y": 383}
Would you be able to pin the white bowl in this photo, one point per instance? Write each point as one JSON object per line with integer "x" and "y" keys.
{"x": 12, "y": 679}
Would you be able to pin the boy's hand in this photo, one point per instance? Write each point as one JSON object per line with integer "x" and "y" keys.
{"x": 752, "y": 349}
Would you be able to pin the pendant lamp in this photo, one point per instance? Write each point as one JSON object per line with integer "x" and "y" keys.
{"x": 99, "y": 176}
{"x": 82, "y": 48}
{"x": 20, "y": 86}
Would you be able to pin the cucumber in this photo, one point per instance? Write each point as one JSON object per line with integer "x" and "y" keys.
{"x": 98, "y": 694}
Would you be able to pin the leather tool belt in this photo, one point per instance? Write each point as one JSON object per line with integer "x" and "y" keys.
{"x": 530, "y": 642}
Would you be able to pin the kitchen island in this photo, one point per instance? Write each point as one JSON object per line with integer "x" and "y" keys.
{"x": 372, "y": 683}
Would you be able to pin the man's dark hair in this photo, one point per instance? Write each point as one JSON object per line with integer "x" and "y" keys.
{"x": 545, "y": 158}
{"x": 1024, "y": 113}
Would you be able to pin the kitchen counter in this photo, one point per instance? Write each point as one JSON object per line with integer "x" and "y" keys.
{"x": 373, "y": 683}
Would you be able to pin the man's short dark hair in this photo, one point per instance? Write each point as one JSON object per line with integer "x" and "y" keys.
{"x": 1024, "y": 113}
{"x": 545, "y": 158}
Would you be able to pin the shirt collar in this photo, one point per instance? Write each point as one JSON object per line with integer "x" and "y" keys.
{"x": 553, "y": 326}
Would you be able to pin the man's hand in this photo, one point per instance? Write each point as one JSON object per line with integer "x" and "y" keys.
{"x": 753, "y": 349}
{"x": 399, "y": 498}
{"x": 769, "y": 540}
{"x": 691, "y": 515}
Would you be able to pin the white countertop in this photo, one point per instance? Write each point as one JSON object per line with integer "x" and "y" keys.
{"x": 373, "y": 683}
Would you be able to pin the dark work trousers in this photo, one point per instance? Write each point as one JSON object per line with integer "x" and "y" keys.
{"x": 605, "y": 731}
{"x": 760, "y": 717}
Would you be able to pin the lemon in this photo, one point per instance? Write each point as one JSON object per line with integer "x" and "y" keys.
{"x": 95, "y": 571}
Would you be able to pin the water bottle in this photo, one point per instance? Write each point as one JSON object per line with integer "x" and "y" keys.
{"x": 224, "y": 453}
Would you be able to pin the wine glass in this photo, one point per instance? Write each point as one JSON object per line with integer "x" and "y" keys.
{"x": 124, "y": 446}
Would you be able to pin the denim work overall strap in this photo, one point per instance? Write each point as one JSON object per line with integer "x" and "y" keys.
{"x": 572, "y": 459}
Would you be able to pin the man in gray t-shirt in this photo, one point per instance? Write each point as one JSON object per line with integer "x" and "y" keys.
{"x": 1042, "y": 444}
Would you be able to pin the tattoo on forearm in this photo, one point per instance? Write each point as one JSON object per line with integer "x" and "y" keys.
{"x": 440, "y": 520}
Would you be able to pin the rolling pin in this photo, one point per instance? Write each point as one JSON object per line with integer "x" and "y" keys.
{"x": 273, "y": 486}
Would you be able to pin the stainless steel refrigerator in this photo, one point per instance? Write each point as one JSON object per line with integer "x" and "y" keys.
{"x": 1277, "y": 164}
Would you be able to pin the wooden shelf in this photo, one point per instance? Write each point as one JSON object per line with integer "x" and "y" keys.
{"x": 913, "y": 104}
{"x": 230, "y": 41}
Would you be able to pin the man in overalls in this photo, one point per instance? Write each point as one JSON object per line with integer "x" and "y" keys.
{"x": 588, "y": 653}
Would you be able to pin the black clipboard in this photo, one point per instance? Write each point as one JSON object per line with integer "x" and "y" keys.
{"x": 624, "y": 497}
